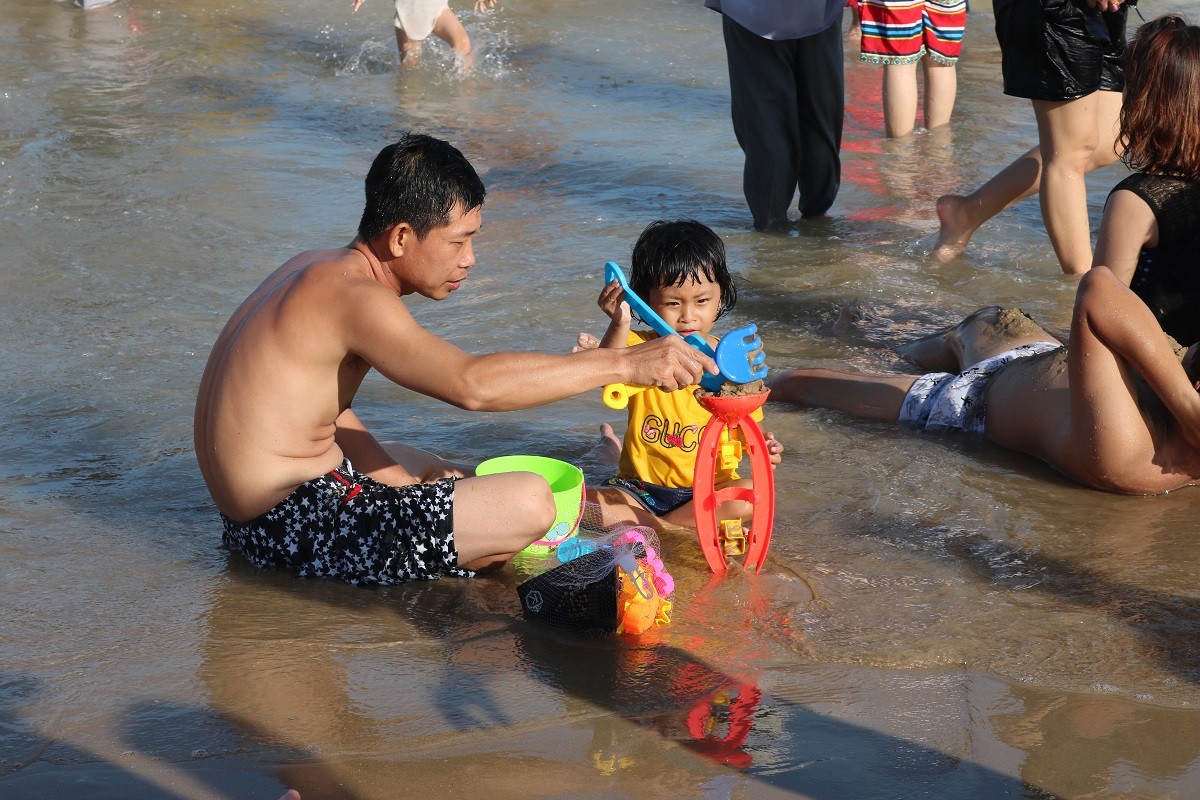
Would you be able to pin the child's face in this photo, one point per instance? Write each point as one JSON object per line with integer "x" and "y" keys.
{"x": 690, "y": 308}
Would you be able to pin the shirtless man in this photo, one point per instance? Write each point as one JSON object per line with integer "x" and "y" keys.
{"x": 1085, "y": 411}
{"x": 299, "y": 481}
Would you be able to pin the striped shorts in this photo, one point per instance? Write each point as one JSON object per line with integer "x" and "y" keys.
{"x": 903, "y": 31}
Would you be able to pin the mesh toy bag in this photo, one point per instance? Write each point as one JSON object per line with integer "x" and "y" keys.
{"x": 611, "y": 583}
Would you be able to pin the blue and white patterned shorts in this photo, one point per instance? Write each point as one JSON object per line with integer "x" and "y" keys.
{"x": 347, "y": 526}
{"x": 941, "y": 401}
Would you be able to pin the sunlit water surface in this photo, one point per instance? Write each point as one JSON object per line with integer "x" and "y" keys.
{"x": 937, "y": 617}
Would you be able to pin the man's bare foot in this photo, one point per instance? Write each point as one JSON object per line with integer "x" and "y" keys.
{"x": 956, "y": 227}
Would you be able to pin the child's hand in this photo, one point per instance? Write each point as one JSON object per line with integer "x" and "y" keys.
{"x": 354, "y": 8}
{"x": 585, "y": 341}
{"x": 480, "y": 5}
{"x": 612, "y": 302}
{"x": 774, "y": 450}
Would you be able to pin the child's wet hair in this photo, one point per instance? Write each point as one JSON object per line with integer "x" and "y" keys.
{"x": 670, "y": 253}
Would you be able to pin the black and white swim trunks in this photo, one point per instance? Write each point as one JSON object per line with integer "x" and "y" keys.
{"x": 347, "y": 526}
{"x": 942, "y": 401}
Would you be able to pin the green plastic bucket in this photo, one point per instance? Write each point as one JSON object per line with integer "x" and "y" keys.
{"x": 566, "y": 482}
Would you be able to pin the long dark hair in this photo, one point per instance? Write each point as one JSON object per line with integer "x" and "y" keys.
{"x": 670, "y": 253}
{"x": 1160, "y": 118}
{"x": 418, "y": 180}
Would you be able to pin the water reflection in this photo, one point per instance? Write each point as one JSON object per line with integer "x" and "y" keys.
{"x": 390, "y": 687}
{"x": 983, "y": 628}
{"x": 1097, "y": 746}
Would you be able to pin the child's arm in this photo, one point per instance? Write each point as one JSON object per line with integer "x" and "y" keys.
{"x": 612, "y": 302}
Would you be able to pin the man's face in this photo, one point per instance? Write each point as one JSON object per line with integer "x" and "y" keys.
{"x": 437, "y": 265}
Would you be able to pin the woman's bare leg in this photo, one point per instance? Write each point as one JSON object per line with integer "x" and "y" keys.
{"x": 961, "y": 215}
{"x": 1068, "y": 136}
{"x": 410, "y": 49}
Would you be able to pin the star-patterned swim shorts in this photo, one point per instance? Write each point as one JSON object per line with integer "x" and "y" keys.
{"x": 347, "y": 526}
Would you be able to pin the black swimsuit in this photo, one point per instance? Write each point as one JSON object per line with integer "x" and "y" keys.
{"x": 1167, "y": 277}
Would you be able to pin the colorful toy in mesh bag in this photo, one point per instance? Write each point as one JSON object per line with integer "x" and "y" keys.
{"x": 612, "y": 584}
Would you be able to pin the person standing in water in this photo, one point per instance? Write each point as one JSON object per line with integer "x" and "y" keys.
{"x": 899, "y": 34}
{"x": 1067, "y": 58}
{"x": 787, "y": 97}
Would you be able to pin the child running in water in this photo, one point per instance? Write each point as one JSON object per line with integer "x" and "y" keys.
{"x": 679, "y": 270}
{"x": 416, "y": 19}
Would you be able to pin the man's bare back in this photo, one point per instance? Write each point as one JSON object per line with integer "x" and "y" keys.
{"x": 253, "y": 448}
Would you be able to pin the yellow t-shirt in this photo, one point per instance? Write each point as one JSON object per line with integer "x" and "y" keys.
{"x": 664, "y": 432}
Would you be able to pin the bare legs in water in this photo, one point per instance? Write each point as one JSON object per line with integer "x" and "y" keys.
{"x": 1075, "y": 137}
{"x": 448, "y": 29}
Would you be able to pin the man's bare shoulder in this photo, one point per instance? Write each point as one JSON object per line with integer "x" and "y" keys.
{"x": 332, "y": 276}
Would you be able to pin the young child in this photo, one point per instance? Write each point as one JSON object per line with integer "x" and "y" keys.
{"x": 900, "y": 33}
{"x": 679, "y": 270}
{"x": 416, "y": 19}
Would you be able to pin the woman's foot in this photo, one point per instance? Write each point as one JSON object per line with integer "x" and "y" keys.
{"x": 956, "y": 227}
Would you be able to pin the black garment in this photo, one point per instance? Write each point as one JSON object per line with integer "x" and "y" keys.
{"x": 788, "y": 98}
{"x": 1167, "y": 277}
{"x": 1059, "y": 49}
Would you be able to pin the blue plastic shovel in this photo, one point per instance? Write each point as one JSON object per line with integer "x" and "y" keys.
{"x": 739, "y": 354}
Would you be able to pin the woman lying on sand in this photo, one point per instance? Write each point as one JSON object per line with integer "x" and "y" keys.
{"x": 1118, "y": 411}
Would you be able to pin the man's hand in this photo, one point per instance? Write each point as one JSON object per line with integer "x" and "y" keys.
{"x": 667, "y": 363}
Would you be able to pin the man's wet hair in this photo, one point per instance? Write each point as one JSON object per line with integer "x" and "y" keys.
{"x": 418, "y": 180}
{"x": 670, "y": 253}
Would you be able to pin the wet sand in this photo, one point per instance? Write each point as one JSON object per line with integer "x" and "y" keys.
{"x": 937, "y": 617}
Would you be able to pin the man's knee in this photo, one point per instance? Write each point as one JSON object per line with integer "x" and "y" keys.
{"x": 538, "y": 511}
{"x": 545, "y": 511}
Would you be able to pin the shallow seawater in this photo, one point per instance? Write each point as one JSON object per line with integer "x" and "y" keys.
{"x": 937, "y": 617}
